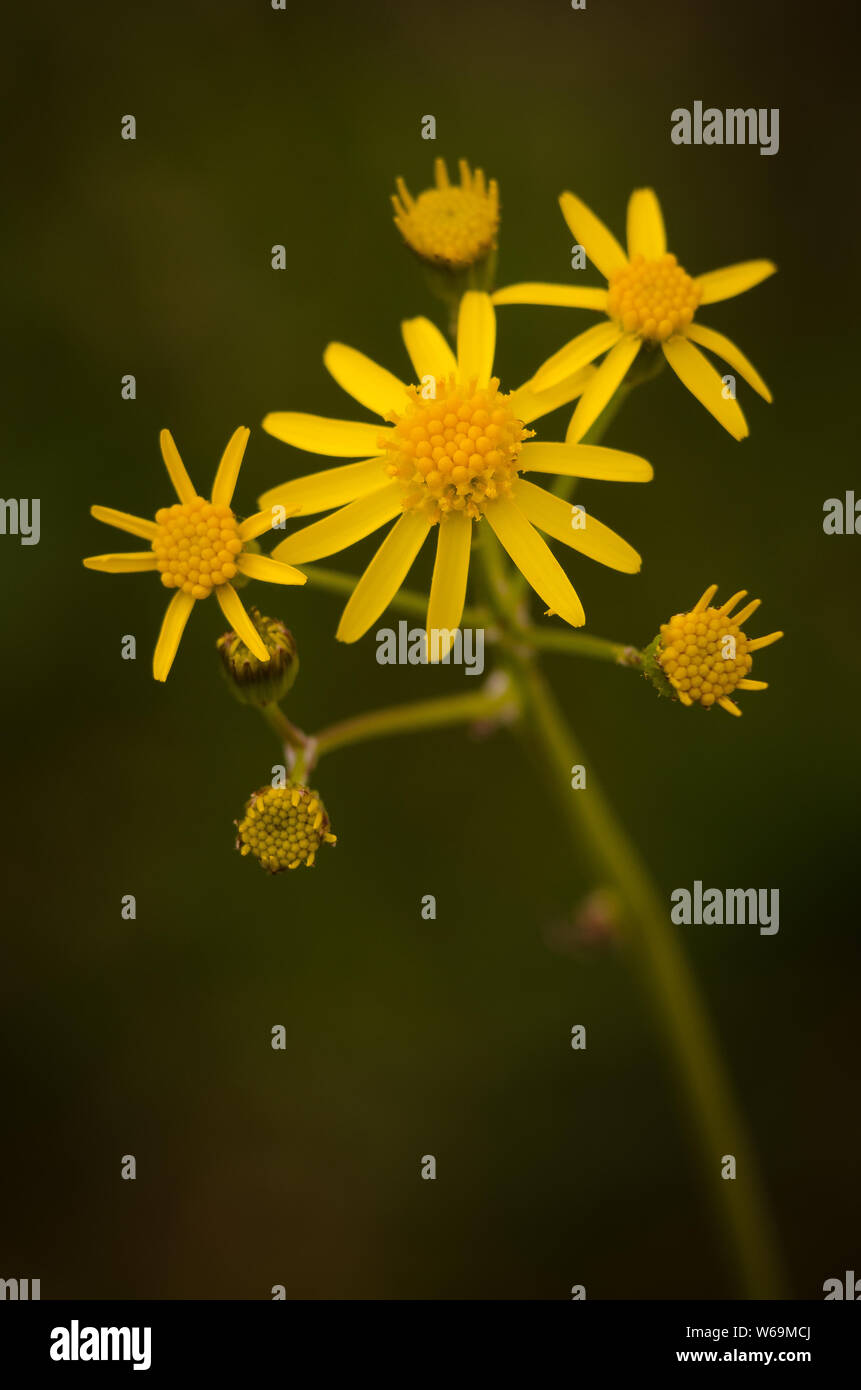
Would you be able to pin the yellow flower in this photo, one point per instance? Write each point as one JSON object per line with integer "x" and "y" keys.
{"x": 649, "y": 299}
{"x": 198, "y": 547}
{"x": 453, "y": 452}
{"x": 450, "y": 226}
{"x": 283, "y": 827}
{"x": 706, "y": 656}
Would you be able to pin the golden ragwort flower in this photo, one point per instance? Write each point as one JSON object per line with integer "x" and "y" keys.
{"x": 449, "y": 226}
{"x": 454, "y": 451}
{"x": 705, "y": 654}
{"x": 198, "y": 546}
{"x": 283, "y": 827}
{"x": 649, "y": 300}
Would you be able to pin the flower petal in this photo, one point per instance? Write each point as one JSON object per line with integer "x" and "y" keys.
{"x": 258, "y": 524}
{"x": 331, "y": 487}
{"x": 529, "y": 405}
{"x": 228, "y": 469}
{"x": 232, "y": 607}
{"x": 129, "y": 563}
{"x": 733, "y": 356}
{"x": 369, "y": 384}
{"x": 759, "y": 642}
{"x": 266, "y": 568}
{"x": 448, "y": 586}
{"x": 602, "y": 387}
{"x": 172, "y": 628}
{"x": 384, "y": 575}
{"x": 585, "y": 461}
{"x": 535, "y": 560}
{"x": 600, "y": 245}
{"x": 556, "y": 518}
{"x": 183, "y": 486}
{"x": 701, "y": 379}
{"x": 124, "y": 521}
{"x": 562, "y": 296}
{"x": 476, "y": 336}
{"x": 732, "y": 280}
{"x": 429, "y": 352}
{"x": 646, "y": 235}
{"x": 319, "y": 435}
{"x": 342, "y": 528}
{"x": 577, "y": 354}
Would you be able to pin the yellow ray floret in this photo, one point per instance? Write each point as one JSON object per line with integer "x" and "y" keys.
{"x": 453, "y": 450}
{"x": 450, "y": 226}
{"x": 650, "y": 302}
{"x": 198, "y": 546}
{"x": 705, "y": 654}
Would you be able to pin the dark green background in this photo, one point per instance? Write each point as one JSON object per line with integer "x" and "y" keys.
{"x": 405, "y": 1037}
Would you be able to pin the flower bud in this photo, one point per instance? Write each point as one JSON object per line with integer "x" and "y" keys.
{"x": 255, "y": 682}
{"x": 702, "y": 657}
{"x": 283, "y": 827}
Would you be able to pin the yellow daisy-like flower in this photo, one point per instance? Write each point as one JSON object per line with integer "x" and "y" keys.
{"x": 706, "y": 656}
{"x": 198, "y": 546}
{"x": 649, "y": 300}
{"x": 450, "y": 226}
{"x": 454, "y": 451}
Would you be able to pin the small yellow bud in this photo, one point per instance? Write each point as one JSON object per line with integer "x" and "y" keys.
{"x": 703, "y": 656}
{"x": 283, "y": 827}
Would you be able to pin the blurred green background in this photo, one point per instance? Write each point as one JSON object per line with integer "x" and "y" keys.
{"x": 407, "y": 1037}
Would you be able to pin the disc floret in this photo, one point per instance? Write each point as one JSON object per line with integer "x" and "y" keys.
{"x": 456, "y": 451}
{"x": 652, "y": 298}
{"x": 197, "y": 546}
{"x": 283, "y": 827}
{"x": 706, "y": 655}
{"x": 448, "y": 225}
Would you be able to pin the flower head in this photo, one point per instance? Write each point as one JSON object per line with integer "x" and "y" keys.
{"x": 454, "y": 451}
{"x": 705, "y": 654}
{"x": 650, "y": 301}
{"x": 198, "y": 546}
{"x": 256, "y": 682}
{"x": 283, "y": 827}
{"x": 450, "y": 226}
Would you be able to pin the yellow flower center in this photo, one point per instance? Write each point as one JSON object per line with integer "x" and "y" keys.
{"x": 197, "y": 546}
{"x": 454, "y": 226}
{"x": 652, "y": 298}
{"x": 456, "y": 451}
{"x": 704, "y": 655}
{"x": 283, "y": 827}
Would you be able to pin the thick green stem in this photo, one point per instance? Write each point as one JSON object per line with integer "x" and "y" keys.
{"x": 655, "y": 948}
{"x": 422, "y": 714}
{"x": 555, "y": 639}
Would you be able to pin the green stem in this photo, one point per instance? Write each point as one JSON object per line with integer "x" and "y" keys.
{"x": 293, "y": 739}
{"x": 553, "y": 639}
{"x": 287, "y": 732}
{"x": 719, "y": 1125}
{"x": 564, "y": 487}
{"x": 405, "y": 600}
{"x": 422, "y": 714}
